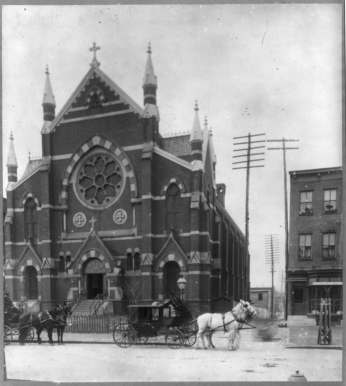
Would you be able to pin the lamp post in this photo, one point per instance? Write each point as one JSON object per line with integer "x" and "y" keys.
{"x": 181, "y": 284}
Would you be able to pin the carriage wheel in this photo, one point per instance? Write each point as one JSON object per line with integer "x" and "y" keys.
{"x": 142, "y": 339}
{"x": 190, "y": 336}
{"x": 124, "y": 335}
{"x": 30, "y": 334}
{"x": 174, "y": 338}
{"x": 7, "y": 335}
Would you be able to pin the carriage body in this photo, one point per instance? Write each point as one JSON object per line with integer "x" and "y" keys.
{"x": 11, "y": 326}
{"x": 152, "y": 321}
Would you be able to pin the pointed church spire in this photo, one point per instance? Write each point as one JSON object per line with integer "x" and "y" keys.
{"x": 12, "y": 164}
{"x": 48, "y": 100}
{"x": 149, "y": 81}
{"x": 196, "y": 134}
{"x": 196, "y": 138}
{"x": 212, "y": 150}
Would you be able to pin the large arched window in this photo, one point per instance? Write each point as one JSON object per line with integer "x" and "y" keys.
{"x": 30, "y": 214}
{"x": 173, "y": 207}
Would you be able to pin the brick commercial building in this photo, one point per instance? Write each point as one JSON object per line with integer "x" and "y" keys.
{"x": 115, "y": 208}
{"x": 315, "y": 260}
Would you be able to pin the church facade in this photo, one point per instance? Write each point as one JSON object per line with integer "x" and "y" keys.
{"x": 115, "y": 208}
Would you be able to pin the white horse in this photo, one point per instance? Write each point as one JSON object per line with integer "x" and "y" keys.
{"x": 228, "y": 322}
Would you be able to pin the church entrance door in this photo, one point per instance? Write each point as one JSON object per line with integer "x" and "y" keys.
{"x": 94, "y": 285}
{"x": 171, "y": 272}
{"x": 95, "y": 278}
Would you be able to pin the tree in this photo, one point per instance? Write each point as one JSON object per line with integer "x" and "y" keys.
{"x": 133, "y": 288}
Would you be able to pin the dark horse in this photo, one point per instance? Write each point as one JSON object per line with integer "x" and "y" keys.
{"x": 42, "y": 320}
{"x": 66, "y": 311}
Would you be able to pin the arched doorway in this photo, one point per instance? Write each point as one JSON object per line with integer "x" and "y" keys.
{"x": 95, "y": 278}
{"x": 31, "y": 283}
{"x": 171, "y": 272}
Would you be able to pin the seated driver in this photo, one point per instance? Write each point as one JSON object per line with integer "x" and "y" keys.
{"x": 7, "y": 301}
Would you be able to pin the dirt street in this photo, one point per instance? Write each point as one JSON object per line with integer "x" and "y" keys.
{"x": 257, "y": 360}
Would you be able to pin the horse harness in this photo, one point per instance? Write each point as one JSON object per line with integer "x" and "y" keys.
{"x": 40, "y": 315}
{"x": 241, "y": 322}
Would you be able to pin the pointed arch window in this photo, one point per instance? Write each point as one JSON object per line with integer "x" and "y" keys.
{"x": 31, "y": 283}
{"x": 30, "y": 215}
{"x": 173, "y": 207}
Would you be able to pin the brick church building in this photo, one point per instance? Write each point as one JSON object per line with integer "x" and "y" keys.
{"x": 113, "y": 205}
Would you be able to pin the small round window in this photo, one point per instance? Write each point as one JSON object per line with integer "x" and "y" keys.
{"x": 100, "y": 181}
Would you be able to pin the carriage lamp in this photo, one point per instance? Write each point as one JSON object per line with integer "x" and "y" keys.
{"x": 181, "y": 284}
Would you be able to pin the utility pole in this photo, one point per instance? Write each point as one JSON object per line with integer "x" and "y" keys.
{"x": 284, "y": 148}
{"x": 272, "y": 257}
{"x": 248, "y": 156}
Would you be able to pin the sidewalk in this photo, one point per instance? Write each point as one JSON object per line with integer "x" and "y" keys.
{"x": 298, "y": 336}
{"x": 306, "y": 337}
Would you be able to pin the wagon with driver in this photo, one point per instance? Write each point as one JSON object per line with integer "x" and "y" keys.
{"x": 11, "y": 326}
{"x": 171, "y": 320}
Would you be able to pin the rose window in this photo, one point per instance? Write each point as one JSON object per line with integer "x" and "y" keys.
{"x": 100, "y": 180}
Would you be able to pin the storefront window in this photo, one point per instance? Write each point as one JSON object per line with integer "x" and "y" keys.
{"x": 316, "y": 293}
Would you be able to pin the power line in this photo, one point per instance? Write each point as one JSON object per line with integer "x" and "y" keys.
{"x": 284, "y": 148}
{"x": 248, "y": 156}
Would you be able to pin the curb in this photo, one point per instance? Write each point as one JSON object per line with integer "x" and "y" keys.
{"x": 323, "y": 347}
{"x": 92, "y": 342}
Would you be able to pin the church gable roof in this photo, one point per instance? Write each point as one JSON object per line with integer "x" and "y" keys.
{"x": 171, "y": 246}
{"x": 178, "y": 146}
{"x": 96, "y": 95}
{"x": 32, "y": 167}
{"x": 93, "y": 241}
{"x": 29, "y": 252}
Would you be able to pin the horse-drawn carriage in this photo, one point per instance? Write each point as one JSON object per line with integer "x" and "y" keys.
{"x": 24, "y": 325}
{"x": 171, "y": 320}
{"x": 152, "y": 321}
{"x": 11, "y": 325}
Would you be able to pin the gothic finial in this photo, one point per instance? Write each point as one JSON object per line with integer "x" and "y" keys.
{"x": 29, "y": 155}
{"x": 205, "y": 120}
{"x": 94, "y": 61}
{"x": 11, "y": 136}
{"x": 149, "y": 49}
{"x": 47, "y": 70}
{"x": 93, "y": 221}
{"x": 171, "y": 230}
{"x": 196, "y": 106}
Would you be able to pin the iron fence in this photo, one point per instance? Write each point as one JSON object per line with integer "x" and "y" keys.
{"x": 92, "y": 324}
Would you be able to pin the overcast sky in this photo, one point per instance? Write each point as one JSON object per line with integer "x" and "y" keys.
{"x": 273, "y": 69}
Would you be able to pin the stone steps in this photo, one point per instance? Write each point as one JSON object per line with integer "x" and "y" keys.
{"x": 83, "y": 308}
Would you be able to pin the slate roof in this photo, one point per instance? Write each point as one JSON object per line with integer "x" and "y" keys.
{"x": 177, "y": 146}
{"x": 32, "y": 166}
